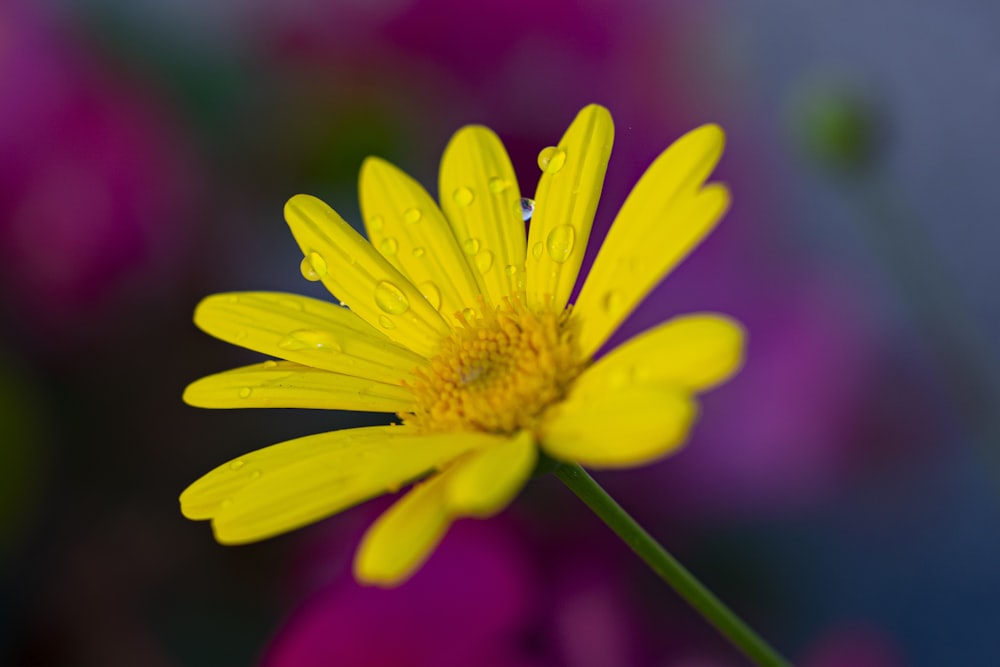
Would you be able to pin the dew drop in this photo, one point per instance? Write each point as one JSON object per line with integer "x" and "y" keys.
{"x": 560, "y": 243}
{"x": 418, "y": 252}
{"x": 431, "y": 293}
{"x": 469, "y": 314}
{"x": 318, "y": 264}
{"x": 536, "y": 250}
{"x": 390, "y": 298}
{"x": 484, "y": 260}
{"x": 510, "y": 270}
{"x": 471, "y": 246}
{"x": 255, "y": 474}
{"x": 463, "y": 196}
{"x": 386, "y": 322}
{"x": 305, "y": 339}
{"x": 527, "y": 208}
{"x": 237, "y": 464}
{"x": 412, "y": 215}
{"x": 270, "y": 363}
{"x": 388, "y": 246}
{"x": 497, "y": 184}
{"x": 245, "y": 392}
{"x": 551, "y": 159}
{"x": 376, "y": 223}
{"x": 308, "y": 272}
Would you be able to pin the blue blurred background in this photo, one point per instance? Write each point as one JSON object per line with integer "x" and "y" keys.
{"x": 841, "y": 493}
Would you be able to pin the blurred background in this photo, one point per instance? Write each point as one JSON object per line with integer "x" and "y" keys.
{"x": 841, "y": 493}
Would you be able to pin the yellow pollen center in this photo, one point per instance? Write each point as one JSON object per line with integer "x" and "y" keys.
{"x": 496, "y": 373}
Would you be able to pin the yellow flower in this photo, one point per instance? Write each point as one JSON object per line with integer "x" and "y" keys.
{"x": 460, "y": 325}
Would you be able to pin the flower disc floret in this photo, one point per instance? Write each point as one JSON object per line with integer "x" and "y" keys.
{"x": 496, "y": 373}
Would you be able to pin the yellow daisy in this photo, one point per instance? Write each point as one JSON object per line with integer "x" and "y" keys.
{"x": 459, "y": 322}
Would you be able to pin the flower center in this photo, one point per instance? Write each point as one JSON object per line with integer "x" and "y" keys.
{"x": 497, "y": 373}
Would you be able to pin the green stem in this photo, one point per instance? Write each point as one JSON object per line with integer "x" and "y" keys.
{"x": 665, "y": 565}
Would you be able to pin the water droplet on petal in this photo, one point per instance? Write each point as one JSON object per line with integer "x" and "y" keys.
{"x": 536, "y": 250}
{"x": 551, "y": 159}
{"x": 255, "y": 474}
{"x": 469, "y": 314}
{"x": 431, "y": 293}
{"x": 418, "y": 252}
{"x": 375, "y": 223}
{"x": 390, "y": 298}
{"x": 318, "y": 264}
{"x": 237, "y": 464}
{"x": 270, "y": 363}
{"x": 245, "y": 392}
{"x": 412, "y": 215}
{"x": 304, "y": 339}
{"x": 484, "y": 260}
{"x": 560, "y": 243}
{"x": 307, "y": 270}
{"x": 497, "y": 184}
{"x": 463, "y": 196}
{"x": 386, "y": 322}
{"x": 527, "y": 208}
{"x": 388, "y": 246}
{"x": 510, "y": 270}
{"x": 470, "y": 246}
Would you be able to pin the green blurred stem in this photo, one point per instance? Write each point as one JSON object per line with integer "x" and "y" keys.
{"x": 665, "y": 565}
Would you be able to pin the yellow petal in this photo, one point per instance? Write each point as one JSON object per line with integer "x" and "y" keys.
{"x": 404, "y": 536}
{"x": 628, "y": 427}
{"x": 205, "y": 497}
{"x": 691, "y": 352}
{"x": 663, "y": 219}
{"x": 307, "y": 331}
{"x": 351, "y": 269}
{"x": 408, "y": 228}
{"x": 281, "y": 487}
{"x": 484, "y": 482}
{"x": 481, "y": 198}
{"x": 565, "y": 202}
{"x": 284, "y": 384}
{"x": 329, "y": 481}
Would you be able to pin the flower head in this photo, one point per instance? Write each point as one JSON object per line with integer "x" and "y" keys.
{"x": 459, "y": 322}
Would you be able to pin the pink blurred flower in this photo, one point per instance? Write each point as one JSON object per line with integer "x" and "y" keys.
{"x": 466, "y": 606}
{"x": 95, "y": 186}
